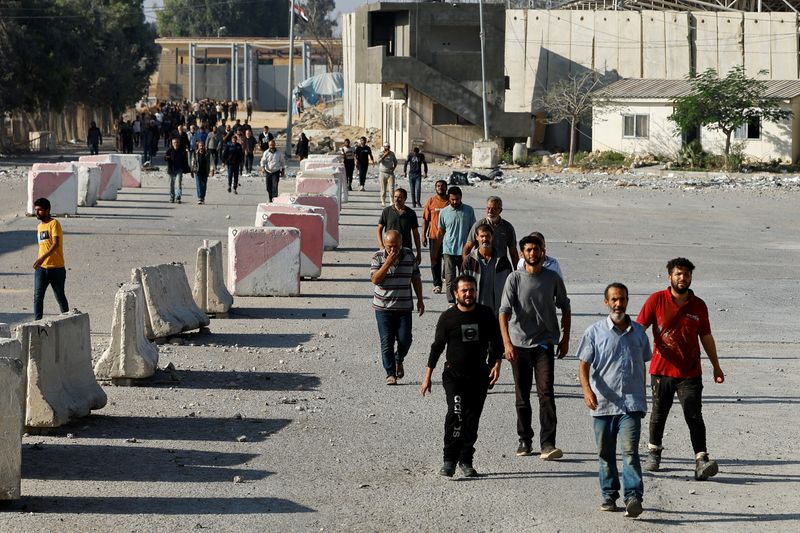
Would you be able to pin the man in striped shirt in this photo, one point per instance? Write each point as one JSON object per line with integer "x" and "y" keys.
{"x": 394, "y": 271}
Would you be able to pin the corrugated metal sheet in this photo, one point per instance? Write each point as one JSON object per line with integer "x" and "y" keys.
{"x": 670, "y": 89}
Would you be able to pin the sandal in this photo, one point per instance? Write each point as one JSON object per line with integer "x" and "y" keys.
{"x": 437, "y": 290}
{"x": 391, "y": 380}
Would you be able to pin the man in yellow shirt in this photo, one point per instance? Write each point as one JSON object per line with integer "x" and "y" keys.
{"x": 49, "y": 267}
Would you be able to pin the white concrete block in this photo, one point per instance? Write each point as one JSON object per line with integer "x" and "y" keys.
{"x": 315, "y": 164}
{"x": 319, "y": 184}
{"x": 130, "y": 355}
{"x": 10, "y": 347}
{"x": 485, "y": 155}
{"x": 210, "y": 293}
{"x": 60, "y": 382}
{"x": 328, "y": 173}
{"x": 130, "y": 169}
{"x": 261, "y": 211}
{"x": 264, "y": 261}
{"x": 328, "y": 158}
{"x": 676, "y": 33}
{"x": 170, "y": 307}
{"x": 12, "y": 402}
{"x": 88, "y": 183}
{"x": 56, "y": 182}
{"x": 630, "y": 44}
{"x": 111, "y": 174}
{"x": 312, "y": 230}
{"x": 5, "y": 331}
{"x": 654, "y": 48}
{"x": 331, "y": 206}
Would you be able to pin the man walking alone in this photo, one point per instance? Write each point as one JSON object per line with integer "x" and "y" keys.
{"x": 49, "y": 265}
{"x": 273, "y": 163}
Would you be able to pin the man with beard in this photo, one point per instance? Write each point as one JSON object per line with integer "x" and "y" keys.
{"x": 529, "y": 325}
{"x": 613, "y": 356}
{"x": 363, "y": 155}
{"x": 679, "y": 320}
{"x": 49, "y": 265}
{"x": 454, "y": 223}
{"x": 273, "y": 164}
{"x": 504, "y": 236}
{"x": 489, "y": 269}
{"x": 469, "y": 331}
{"x": 177, "y": 165}
{"x": 430, "y": 230}
{"x": 400, "y": 217}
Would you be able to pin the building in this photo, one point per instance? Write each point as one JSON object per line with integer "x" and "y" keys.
{"x": 637, "y": 122}
{"x": 238, "y": 68}
{"x": 413, "y": 69}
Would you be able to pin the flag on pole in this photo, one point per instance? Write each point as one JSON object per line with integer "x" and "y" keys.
{"x": 299, "y": 11}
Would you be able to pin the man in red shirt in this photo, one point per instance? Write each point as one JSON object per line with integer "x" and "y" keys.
{"x": 679, "y": 320}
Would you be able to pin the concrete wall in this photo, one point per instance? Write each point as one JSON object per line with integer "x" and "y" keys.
{"x": 362, "y": 101}
{"x": 778, "y": 140}
{"x": 439, "y": 139}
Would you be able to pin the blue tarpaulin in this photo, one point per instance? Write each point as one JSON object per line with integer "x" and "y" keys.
{"x": 321, "y": 87}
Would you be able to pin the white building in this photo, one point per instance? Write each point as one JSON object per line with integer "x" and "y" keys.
{"x": 637, "y": 122}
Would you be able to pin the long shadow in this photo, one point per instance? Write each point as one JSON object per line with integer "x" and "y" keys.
{"x": 15, "y": 318}
{"x": 102, "y": 462}
{"x": 357, "y": 249}
{"x": 163, "y": 205}
{"x": 539, "y": 474}
{"x": 256, "y": 381}
{"x": 757, "y": 400}
{"x": 692, "y": 518}
{"x": 128, "y": 217}
{"x": 345, "y": 265}
{"x": 306, "y": 313}
{"x": 259, "y": 340}
{"x": 137, "y": 505}
{"x": 337, "y": 296}
{"x": 11, "y": 241}
{"x": 194, "y": 428}
{"x": 358, "y": 225}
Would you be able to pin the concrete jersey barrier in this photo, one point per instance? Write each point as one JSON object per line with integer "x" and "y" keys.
{"x": 130, "y": 168}
{"x": 312, "y": 229}
{"x": 130, "y": 355}
{"x": 12, "y": 405}
{"x": 262, "y": 209}
{"x": 110, "y": 177}
{"x": 56, "y": 182}
{"x": 60, "y": 384}
{"x": 88, "y": 183}
{"x": 210, "y": 293}
{"x": 326, "y": 185}
{"x": 170, "y": 308}
{"x": 331, "y": 206}
{"x": 263, "y": 261}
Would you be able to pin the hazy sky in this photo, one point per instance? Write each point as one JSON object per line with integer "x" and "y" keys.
{"x": 342, "y": 6}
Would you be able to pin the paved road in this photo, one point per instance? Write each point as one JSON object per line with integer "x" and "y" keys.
{"x": 330, "y": 447}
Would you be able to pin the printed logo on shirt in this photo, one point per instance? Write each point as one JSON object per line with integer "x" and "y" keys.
{"x": 44, "y": 235}
{"x": 470, "y": 333}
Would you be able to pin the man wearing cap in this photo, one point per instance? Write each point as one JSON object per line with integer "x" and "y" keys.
{"x": 387, "y": 162}
{"x": 532, "y": 340}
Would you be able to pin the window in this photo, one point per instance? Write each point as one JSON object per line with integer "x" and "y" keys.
{"x": 751, "y": 130}
{"x": 636, "y": 126}
{"x": 442, "y": 116}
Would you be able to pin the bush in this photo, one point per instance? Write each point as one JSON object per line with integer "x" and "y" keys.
{"x": 692, "y": 156}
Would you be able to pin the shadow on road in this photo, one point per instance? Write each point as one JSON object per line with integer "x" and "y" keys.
{"x": 257, "y": 340}
{"x": 138, "y": 505}
{"x": 306, "y": 313}
{"x": 254, "y": 381}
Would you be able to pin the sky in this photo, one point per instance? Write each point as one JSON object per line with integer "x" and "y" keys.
{"x": 342, "y": 6}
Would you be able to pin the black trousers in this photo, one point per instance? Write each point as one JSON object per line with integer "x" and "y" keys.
{"x": 272, "y": 184}
{"x": 248, "y": 162}
{"x": 466, "y": 393}
{"x": 690, "y": 394}
{"x": 349, "y": 166}
{"x": 362, "y": 174}
{"x": 538, "y": 363}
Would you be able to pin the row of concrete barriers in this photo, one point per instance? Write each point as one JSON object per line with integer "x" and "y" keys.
{"x": 72, "y": 184}
{"x": 289, "y": 236}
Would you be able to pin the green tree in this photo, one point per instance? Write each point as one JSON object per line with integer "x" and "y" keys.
{"x": 725, "y": 104}
{"x": 204, "y": 18}
{"x": 319, "y": 26}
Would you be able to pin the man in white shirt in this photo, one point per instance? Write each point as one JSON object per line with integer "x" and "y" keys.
{"x": 273, "y": 164}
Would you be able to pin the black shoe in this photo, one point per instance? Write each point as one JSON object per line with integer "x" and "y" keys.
{"x": 653, "y": 462}
{"x": 172, "y": 200}
{"x": 524, "y": 449}
{"x": 705, "y": 468}
{"x": 448, "y": 469}
{"x": 609, "y": 505}
{"x": 633, "y": 507}
{"x": 229, "y": 189}
{"x": 467, "y": 469}
{"x": 234, "y": 191}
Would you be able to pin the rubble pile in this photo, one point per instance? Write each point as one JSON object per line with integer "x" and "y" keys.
{"x": 323, "y": 126}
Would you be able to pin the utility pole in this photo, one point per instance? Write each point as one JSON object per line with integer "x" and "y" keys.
{"x": 483, "y": 76}
{"x": 290, "y": 88}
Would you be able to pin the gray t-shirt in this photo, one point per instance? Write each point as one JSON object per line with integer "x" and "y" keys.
{"x": 531, "y": 300}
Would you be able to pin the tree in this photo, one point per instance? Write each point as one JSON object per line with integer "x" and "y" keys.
{"x": 203, "y": 18}
{"x": 726, "y": 104}
{"x": 571, "y": 99}
{"x": 319, "y": 26}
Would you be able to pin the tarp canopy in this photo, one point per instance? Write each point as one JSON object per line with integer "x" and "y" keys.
{"x": 322, "y": 86}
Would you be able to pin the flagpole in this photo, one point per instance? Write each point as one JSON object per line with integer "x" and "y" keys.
{"x": 289, "y": 92}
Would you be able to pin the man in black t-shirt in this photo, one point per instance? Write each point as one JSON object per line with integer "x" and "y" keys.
{"x": 399, "y": 217}
{"x": 363, "y": 157}
{"x": 471, "y": 334}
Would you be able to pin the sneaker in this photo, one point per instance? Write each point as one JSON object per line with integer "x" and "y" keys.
{"x": 633, "y": 507}
{"x": 391, "y": 380}
{"x": 400, "y": 371}
{"x": 229, "y": 189}
{"x": 467, "y": 470}
{"x": 705, "y": 468}
{"x": 235, "y": 191}
{"x": 361, "y": 188}
{"x": 549, "y": 453}
{"x": 201, "y": 202}
{"x": 437, "y": 290}
{"x": 448, "y": 469}
{"x": 177, "y": 200}
{"x": 609, "y": 505}
{"x": 172, "y": 200}
{"x": 524, "y": 449}
{"x": 653, "y": 461}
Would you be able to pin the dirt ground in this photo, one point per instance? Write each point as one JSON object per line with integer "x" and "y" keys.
{"x": 328, "y": 447}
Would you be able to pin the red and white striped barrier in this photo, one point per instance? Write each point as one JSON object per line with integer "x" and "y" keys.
{"x": 328, "y": 185}
{"x": 331, "y": 206}
{"x": 263, "y": 261}
{"x": 261, "y": 211}
{"x": 88, "y": 183}
{"x": 58, "y": 182}
{"x": 116, "y": 178}
{"x": 330, "y": 158}
{"x": 313, "y": 164}
{"x": 326, "y": 173}
{"x": 312, "y": 229}
{"x": 131, "y": 168}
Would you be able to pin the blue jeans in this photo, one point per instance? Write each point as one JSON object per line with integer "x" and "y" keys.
{"x": 201, "y": 182}
{"x": 627, "y": 427}
{"x": 415, "y": 184}
{"x": 42, "y": 277}
{"x": 175, "y": 186}
{"x": 394, "y": 326}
